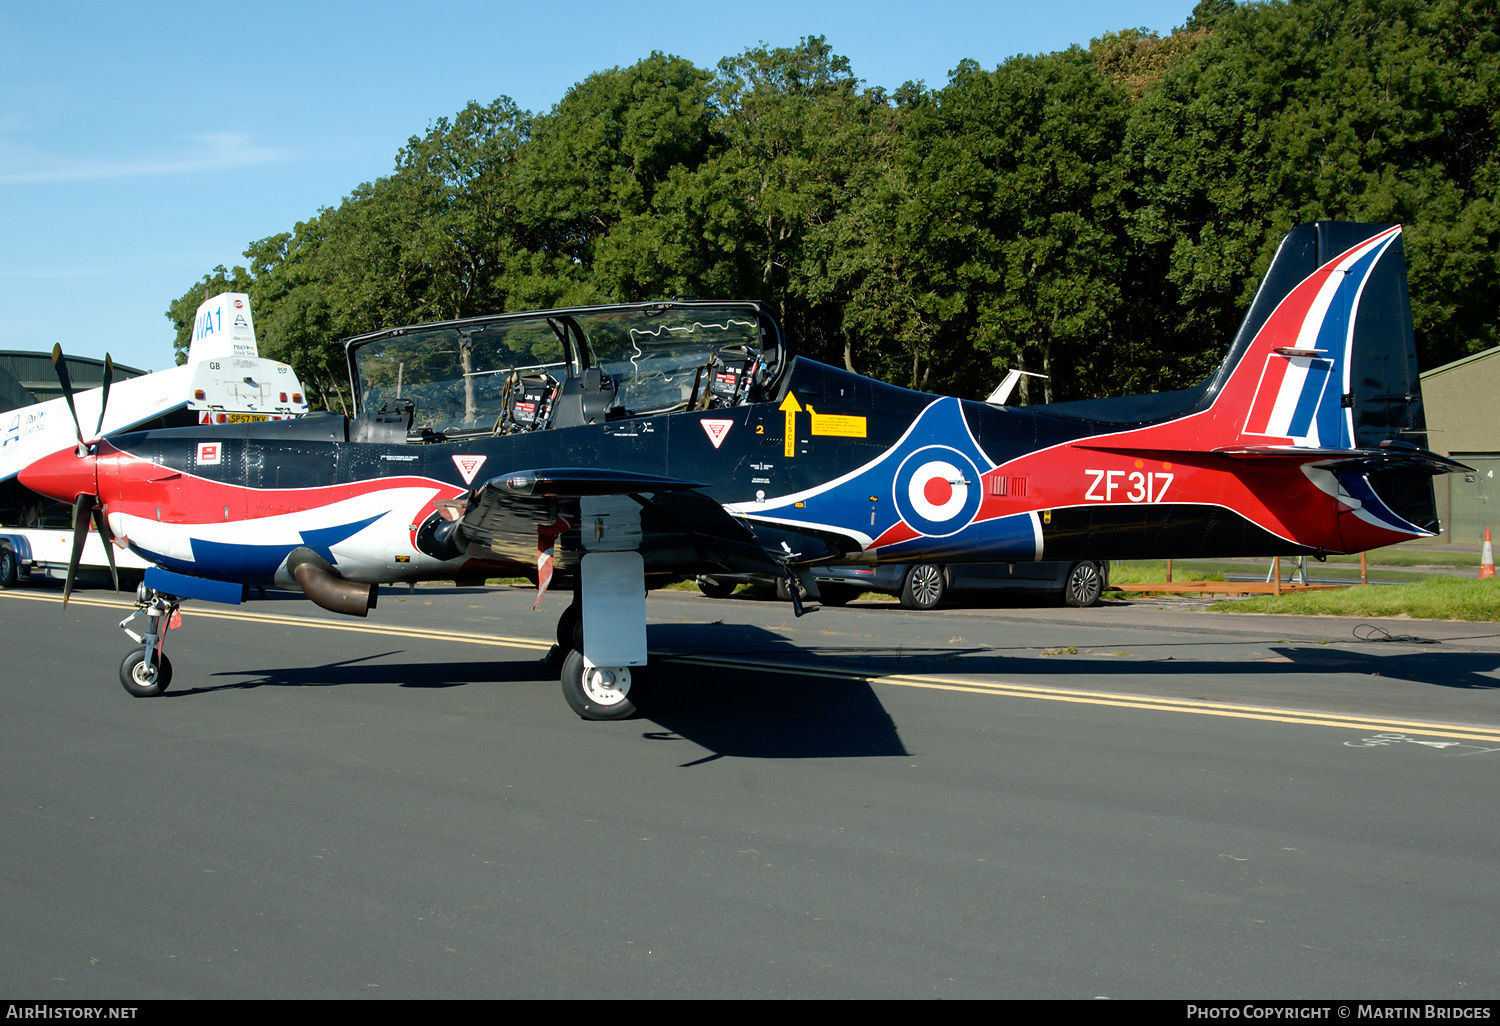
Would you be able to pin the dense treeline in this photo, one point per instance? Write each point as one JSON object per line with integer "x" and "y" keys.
{"x": 1101, "y": 215}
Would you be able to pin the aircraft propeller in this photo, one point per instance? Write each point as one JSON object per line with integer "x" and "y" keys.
{"x": 109, "y": 376}
{"x": 86, "y": 506}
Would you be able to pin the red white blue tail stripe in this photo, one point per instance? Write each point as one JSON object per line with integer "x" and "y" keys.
{"x": 1303, "y": 380}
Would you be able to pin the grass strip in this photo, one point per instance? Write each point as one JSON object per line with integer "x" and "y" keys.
{"x": 1434, "y": 598}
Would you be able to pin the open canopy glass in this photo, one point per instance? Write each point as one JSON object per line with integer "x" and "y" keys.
{"x": 561, "y": 368}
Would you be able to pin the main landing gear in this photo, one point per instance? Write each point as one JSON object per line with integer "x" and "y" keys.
{"x": 616, "y": 691}
{"x": 601, "y": 636}
{"x": 146, "y": 671}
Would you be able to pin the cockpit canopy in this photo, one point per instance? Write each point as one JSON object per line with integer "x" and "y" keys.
{"x": 564, "y": 368}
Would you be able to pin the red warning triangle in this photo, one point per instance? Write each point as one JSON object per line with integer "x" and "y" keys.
{"x": 717, "y": 429}
{"x": 468, "y": 466}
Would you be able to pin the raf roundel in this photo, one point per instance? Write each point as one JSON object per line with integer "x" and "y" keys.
{"x": 937, "y": 491}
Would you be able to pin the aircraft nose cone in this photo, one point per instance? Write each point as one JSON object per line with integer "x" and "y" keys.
{"x": 63, "y": 476}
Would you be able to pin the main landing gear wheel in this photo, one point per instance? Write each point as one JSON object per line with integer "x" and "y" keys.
{"x": 570, "y": 629}
{"x": 145, "y": 679}
{"x": 603, "y": 692}
{"x": 1085, "y": 585}
{"x": 924, "y": 586}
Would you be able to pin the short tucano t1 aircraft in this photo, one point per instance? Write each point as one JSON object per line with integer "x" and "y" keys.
{"x": 621, "y": 444}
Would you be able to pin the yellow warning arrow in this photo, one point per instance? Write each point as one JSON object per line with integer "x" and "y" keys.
{"x": 791, "y": 408}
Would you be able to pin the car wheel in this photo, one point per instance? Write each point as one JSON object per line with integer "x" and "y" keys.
{"x": 1084, "y": 586}
{"x": 715, "y": 588}
{"x": 924, "y": 587}
{"x": 9, "y": 574}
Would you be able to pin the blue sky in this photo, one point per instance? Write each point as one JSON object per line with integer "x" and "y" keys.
{"x": 143, "y": 143}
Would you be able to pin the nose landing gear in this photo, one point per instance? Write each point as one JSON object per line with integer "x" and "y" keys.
{"x": 146, "y": 671}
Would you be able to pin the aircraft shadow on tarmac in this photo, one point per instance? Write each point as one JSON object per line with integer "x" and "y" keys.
{"x": 1476, "y": 671}
{"x": 816, "y": 714}
{"x": 747, "y": 710}
{"x": 742, "y": 712}
{"x": 748, "y": 713}
{"x": 1429, "y": 665}
{"x": 371, "y": 669}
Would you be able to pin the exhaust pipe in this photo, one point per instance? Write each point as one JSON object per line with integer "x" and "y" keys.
{"x": 320, "y": 582}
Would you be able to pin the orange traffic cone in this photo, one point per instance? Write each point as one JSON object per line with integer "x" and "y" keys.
{"x": 1486, "y": 558}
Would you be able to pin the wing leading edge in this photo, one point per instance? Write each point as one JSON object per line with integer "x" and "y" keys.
{"x": 522, "y": 515}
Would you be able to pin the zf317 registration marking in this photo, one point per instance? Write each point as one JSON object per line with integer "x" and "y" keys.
{"x": 1128, "y": 485}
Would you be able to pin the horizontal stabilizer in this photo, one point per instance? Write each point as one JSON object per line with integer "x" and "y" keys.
{"x": 1391, "y": 456}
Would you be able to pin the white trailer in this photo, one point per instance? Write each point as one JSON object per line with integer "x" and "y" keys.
{"x": 224, "y": 381}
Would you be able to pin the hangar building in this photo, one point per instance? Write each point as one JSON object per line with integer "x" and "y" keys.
{"x": 1462, "y": 401}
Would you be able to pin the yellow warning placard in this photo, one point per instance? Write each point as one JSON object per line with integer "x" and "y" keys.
{"x": 837, "y": 424}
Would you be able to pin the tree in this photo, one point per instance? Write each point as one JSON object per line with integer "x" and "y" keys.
{"x": 1009, "y": 209}
{"x": 590, "y": 181}
{"x": 1102, "y": 215}
{"x": 802, "y": 144}
{"x": 434, "y": 240}
{"x": 1372, "y": 110}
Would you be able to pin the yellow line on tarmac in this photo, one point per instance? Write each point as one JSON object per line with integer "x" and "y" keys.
{"x": 1003, "y": 689}
{"x": 278, "y": 619}
{"x": 77, "y": 600}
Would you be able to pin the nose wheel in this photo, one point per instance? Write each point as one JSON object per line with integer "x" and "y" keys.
{"x": 145, "y": 675}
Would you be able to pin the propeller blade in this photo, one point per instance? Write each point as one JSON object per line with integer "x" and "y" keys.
{"x": 60, "y": 366}
{"x": 109, "y": 376}
{"x": 102, "y": 526}
{"x": 83, "y": 506}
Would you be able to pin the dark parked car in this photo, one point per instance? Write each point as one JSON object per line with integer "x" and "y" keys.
{"x": 925, "y": 585}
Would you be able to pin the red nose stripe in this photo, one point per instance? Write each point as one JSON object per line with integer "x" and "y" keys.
{"x": 63, "y": 476}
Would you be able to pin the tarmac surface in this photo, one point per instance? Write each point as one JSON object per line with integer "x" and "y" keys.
{"x": 1133, "y": 800}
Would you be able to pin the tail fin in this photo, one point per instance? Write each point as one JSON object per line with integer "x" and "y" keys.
{"x": 1313, "y": 331}
{"x": 1325, "y": 364}
{"x": 223, "y": 329}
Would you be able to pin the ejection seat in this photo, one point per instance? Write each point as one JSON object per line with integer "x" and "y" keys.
{"x": 584, "y": 399}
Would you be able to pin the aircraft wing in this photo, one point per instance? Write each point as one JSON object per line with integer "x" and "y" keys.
{"x": 681, "y": 529}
